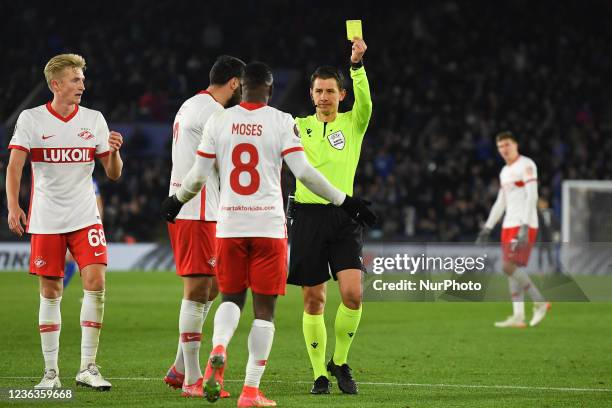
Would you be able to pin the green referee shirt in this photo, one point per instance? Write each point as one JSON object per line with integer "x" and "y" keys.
{"x": 333, "y": 148}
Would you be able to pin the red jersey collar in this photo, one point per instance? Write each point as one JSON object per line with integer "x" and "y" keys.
{"x": 60, "y": 117}
{"x": 204, "y": 91}
{"x": 252, "y": 105}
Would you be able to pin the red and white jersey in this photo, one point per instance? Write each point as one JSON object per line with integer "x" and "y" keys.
{"x": 62, "y": 151}
{"x": 249, "y": 141}
{"x": 187, "y": 134}
{"x": 513, "y": 178}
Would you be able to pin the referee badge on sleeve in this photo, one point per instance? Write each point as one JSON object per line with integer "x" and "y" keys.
{"x": 336, "y": 140}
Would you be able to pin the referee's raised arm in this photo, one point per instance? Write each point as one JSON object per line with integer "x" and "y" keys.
{"x": 362, "y": 108}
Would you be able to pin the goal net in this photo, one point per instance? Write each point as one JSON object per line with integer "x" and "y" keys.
{"x": 586, "y": 211}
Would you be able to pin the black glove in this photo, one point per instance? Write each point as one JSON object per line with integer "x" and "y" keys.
{"x": 358, "y": 210}
{"x": 290, "y": 207}
{"x": 522, "y": 237}
{"x": 170, "y": 208}
{"x": 483, "y": 236}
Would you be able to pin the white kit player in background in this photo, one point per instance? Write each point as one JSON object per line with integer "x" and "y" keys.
{"x": 193, "y": 234}
{"x": 518, "y": 198}
{"x": 62, "y": 139}
{"x": 249, "y": 143}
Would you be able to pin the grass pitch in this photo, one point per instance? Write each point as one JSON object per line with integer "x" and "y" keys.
{"x": 404, "y": 354}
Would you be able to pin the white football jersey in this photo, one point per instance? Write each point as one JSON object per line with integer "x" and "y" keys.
{"x": 249, "y": 141}
{"x": 513, "y": 179}
{"x": 187, "y": 134}
{"x": 62, "y": 151}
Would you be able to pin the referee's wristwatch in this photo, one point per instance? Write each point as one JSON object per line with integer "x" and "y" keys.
{"x": 357, "y": 65}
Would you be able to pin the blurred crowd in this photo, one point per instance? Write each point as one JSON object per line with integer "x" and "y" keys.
{"x": 445, "y": 77}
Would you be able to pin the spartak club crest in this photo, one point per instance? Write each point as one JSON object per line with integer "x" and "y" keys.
{"x": 39, "y": 262}
{"x": 86, "y": 135}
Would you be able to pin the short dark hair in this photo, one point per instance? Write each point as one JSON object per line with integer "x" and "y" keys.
{"x": 506, "y": 134}
{"x": 328, "y": 72}
{"x": 226, "y": 68}
{"x": 257, "y": 74}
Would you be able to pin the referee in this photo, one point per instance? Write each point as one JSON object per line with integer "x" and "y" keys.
{"x": 324, "y": 239}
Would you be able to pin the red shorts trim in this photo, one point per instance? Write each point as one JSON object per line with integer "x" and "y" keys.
{"x": 257, "y": 263}
{"x": 48, "y": 251}
{"x": 518, "y": 256}
{"x": 193, "y": 244}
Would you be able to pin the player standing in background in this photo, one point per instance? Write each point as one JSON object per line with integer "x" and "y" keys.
{"x": 71, "y": 266}
{"x": 192, "y": 235}
{"x": 324, "y": 239}
{"x": 518, "y": 197}
{"x": 62, "y": 139}
{"x": 249, "y": 143}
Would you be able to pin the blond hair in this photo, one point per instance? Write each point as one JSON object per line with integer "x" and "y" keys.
{"x": 58, "y": 63}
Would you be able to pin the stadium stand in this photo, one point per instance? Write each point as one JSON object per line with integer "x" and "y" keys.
{"x": 445, "y": 78}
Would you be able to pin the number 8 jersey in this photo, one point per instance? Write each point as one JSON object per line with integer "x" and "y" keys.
{"x": 249, "y": 141}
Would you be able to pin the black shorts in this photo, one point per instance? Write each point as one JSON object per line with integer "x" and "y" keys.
{"x": 324, "y": 240}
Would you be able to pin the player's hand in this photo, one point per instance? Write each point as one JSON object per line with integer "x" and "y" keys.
{"x": 170, "y": 208}
{"x": 523, "y": 236}
{"x": 358, "y": 49}
{"x": 359, "y": 211}
{"x": 483, "y": 236}
{"x": 17, "y": 221}
{"x": 115, "y": 140}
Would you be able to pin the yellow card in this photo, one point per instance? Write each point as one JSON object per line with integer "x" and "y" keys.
{"x": 353, "y": 29}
